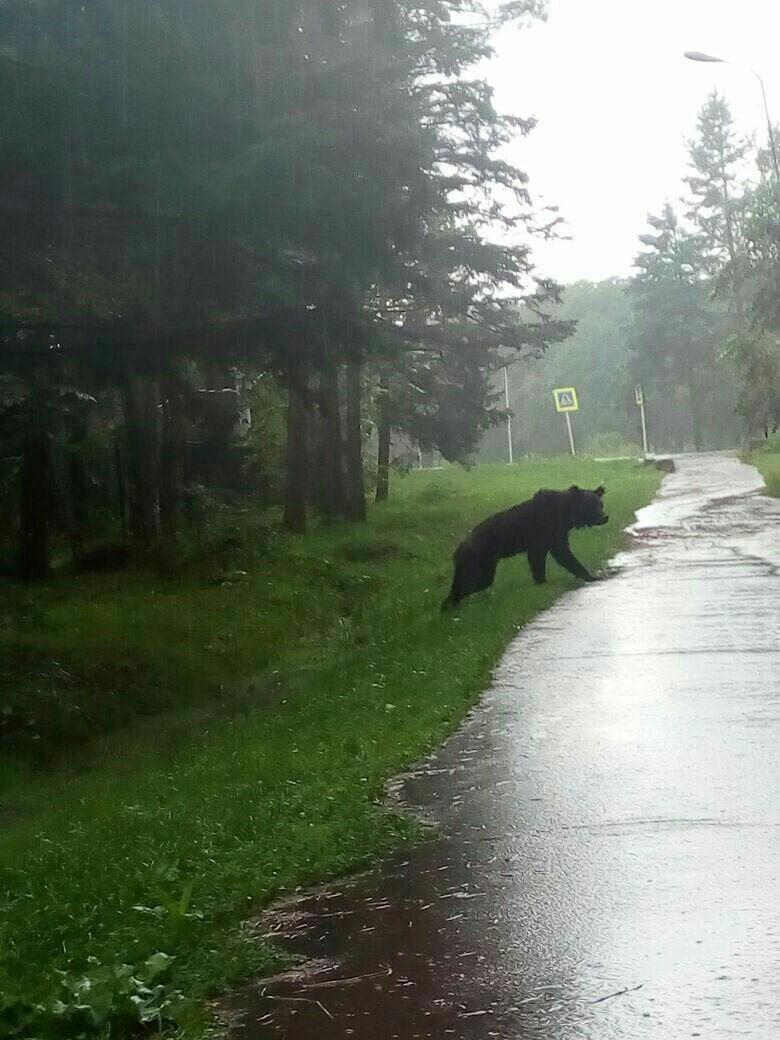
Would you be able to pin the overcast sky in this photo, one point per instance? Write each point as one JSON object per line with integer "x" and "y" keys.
{"x": 615, "y": 100}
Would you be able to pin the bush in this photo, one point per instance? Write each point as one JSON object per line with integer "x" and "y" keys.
{"x": 609, "y": 444}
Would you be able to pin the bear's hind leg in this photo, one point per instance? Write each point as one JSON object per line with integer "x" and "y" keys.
{"x": 456, "y": 592}
{"x": 486, "y": 574}
{"x": 473, "y": 573}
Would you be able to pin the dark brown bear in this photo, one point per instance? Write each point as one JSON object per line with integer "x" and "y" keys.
{"x": 539, "y": 526}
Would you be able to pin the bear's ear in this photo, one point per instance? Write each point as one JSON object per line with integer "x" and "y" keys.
{"x": 599, "y": 491}
{"x": 574, "y": 488}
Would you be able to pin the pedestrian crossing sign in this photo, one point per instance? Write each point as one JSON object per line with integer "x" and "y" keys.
{"x": 566, "y": 399}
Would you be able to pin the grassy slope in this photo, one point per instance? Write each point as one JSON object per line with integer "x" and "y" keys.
{"x": 355, "y": 676}
{"x": 767, "y": 462}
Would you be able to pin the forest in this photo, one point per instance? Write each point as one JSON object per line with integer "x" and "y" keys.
{"x": 213, "y": 284}
{"x": 277, "y": 285}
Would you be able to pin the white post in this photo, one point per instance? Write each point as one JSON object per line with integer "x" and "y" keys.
{"x": 508, "y": 416}
{"x": 644, "y": 425}
{"x": 571, "y": 435}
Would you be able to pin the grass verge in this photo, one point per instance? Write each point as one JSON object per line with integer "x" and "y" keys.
{"x": 767, "y": 462}
{"x": 126, "y": 876}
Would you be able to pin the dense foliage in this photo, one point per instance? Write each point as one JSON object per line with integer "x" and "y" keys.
{"x": 705, "y": 295}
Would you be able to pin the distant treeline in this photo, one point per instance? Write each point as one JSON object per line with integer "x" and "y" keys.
{"x": 602, "y": 361}
{"x": 698, "y": 325}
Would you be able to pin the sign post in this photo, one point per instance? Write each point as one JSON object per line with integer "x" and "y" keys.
{"x": 566, "y": 402}
{"x": 571, "y": 435}
{"x": 639, "y": 397}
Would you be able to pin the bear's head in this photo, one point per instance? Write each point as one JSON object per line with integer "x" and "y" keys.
{"x": 586, "y": 508}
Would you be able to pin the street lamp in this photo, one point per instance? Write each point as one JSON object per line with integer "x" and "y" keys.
{"x": 508, "y": 414}
{"x": 699, "y": 56}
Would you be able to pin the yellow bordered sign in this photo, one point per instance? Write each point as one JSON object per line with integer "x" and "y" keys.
{"x": 566, "y": 399}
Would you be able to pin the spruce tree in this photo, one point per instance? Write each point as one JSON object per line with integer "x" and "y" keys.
{"x": 715, "y": 157}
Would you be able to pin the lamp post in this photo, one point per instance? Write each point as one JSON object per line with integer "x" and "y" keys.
{"x": 700, "y": 56}
{"x": 508, "y": 415}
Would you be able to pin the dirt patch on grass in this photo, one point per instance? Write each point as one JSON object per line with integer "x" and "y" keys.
{"x": 374, "y": 552}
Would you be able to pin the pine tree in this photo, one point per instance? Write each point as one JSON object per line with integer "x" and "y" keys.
{"x": 716, "y": 156}
{"x": 754, "y": 347}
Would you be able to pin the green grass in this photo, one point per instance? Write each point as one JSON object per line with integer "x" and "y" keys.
{"x": 167, "y": 834}
{"x": 767, "y": 462}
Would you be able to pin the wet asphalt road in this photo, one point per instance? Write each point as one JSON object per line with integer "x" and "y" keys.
{"x": 609, "y": 865}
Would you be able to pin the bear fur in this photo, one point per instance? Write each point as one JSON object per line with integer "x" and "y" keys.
{"x": 537, "y": 527}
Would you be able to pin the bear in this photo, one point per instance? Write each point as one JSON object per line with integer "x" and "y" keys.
{"x": 537, "y": 527}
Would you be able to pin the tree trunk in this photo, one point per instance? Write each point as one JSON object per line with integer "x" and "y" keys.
{"x": 78, "y": 486}
{"x": 383, "y": 462}
{"x": 384, "y": 434}
{"x": 332, "y": 492}
{"x": 297, "y": 470}
{"x": 35, "y": 506}
{"x": 172, "y": 461}
{"x": 695, "y": 419}
{"x": 140, "y": 396}
{"x": 356, "y": 491}
{"x": 121, "y": 489}
{"x": 171, "y": 478}
{"x": 314, "y": 430}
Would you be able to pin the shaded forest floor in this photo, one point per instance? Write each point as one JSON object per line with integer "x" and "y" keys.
{"x": 184, "y": 751}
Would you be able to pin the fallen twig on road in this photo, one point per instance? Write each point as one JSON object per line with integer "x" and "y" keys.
{"x": 299, "y": 1000}
{"x": 350, "y": 981}
{"x": 619, "y": 993}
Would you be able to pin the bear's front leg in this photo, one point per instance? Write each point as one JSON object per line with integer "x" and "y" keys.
{"x": 537, "y": 559}
{"x": 563, "y": 555}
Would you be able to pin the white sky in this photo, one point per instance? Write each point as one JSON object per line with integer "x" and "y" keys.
{"x": 615, "y": 100}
